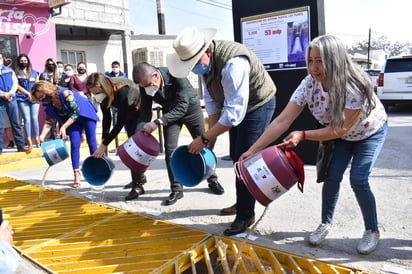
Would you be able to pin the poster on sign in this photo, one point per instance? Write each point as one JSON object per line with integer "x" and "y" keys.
{"x": 279, "y": 38}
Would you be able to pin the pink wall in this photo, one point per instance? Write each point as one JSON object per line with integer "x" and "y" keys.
{"x": 29, "y": 20}
{"x": 36, "y": 34}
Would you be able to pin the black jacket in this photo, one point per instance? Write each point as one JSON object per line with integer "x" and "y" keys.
{"x": 179, "y": 98}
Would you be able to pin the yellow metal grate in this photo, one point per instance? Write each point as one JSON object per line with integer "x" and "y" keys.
{"x": 66, "y": 234}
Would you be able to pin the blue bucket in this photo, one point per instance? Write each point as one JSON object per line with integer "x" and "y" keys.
{"x": 97, "y": 171}
{"x": 54, "y": 151}
{"x": 190, "y": 169}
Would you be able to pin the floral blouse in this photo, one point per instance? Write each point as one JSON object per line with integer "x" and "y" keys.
{"x": 62, "y": 111}
{"x": 311, "y": 92}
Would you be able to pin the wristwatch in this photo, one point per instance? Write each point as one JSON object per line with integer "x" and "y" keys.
{"x": 205, "y": 141}
{"x": 157, "y": 122}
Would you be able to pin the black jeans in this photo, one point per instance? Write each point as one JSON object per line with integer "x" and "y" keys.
{"x": 196, "y": 126}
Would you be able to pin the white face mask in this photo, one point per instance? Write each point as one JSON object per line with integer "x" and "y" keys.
{"x": 151, "y": 90}
{"x": 99, "y": 97}
{"x": 69, "y": 73}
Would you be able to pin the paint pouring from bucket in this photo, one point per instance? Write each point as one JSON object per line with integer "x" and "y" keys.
{"x": 54, "y": 151}
{"x": 97, "y": 171}
{"x": 139, "y": 151}
{"x": 270, "y": 173}
{"x": 190, "y": 169}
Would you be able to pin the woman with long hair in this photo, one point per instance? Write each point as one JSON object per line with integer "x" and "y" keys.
{"x": 341, "y": 97}
{"x": 74, "y": 113}
{"x": 29, "y": 109}
{"x": 123, "y": 95}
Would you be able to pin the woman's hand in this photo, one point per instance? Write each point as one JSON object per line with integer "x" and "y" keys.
{"x": 62, "y": 132}
{"x": 245, "y": 155}
{"x": 293, "y": 139}
{"x": 102, "y": 150}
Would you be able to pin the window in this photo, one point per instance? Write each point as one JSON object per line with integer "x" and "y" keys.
{"x": 9, "y": 47}
{"x": 73, "y": 57}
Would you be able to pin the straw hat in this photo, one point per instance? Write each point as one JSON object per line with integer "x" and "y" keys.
{"x": 189, "y": 46}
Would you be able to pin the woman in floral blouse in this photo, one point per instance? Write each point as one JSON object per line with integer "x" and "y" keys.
{"x": 74, "y": 112}
{"x": 340, "y": 95}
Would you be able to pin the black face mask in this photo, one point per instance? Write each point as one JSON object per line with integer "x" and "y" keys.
{"x": 81, "y": 71}
{"x": 47, "y": 100}
{"x": 23, "y": 65}
{"x": 50, "y": 67}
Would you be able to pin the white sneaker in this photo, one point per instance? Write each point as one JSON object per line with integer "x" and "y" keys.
{"x": 317, "y": 236}
{"x": 369, "y": 242}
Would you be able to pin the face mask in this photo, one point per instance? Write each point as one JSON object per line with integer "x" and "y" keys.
{"x": 116, "y": 70}
{"x": 99, "y": 97}
{"x": 60, "y": 70}
{"x": 200, "y": 69}
{"x": 23, "y": 65}
{"x": 151, "y": 90}
{"x": 47, "y": 100}
{"x": 50, "y": 67}
{"x": 81, "y": 71}
{"x": 69, "y": 73}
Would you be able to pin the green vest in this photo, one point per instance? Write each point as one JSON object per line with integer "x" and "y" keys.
{"x": 261, "y": 86}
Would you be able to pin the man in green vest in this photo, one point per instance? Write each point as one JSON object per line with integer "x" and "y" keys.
{"x": 239, "y": 97}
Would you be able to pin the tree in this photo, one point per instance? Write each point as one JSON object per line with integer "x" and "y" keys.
{"x": 381, "y": 42}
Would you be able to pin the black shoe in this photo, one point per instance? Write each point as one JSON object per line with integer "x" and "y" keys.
{"x": 173, "y": 197}
{"x": 216, "y": 188}
{"x": 10, "y": 145}
{"x": 231, "y": 210}
{"x": 134, "y": 193}
{"x": 129, "y": 185}
{"x": 238, "y": 226}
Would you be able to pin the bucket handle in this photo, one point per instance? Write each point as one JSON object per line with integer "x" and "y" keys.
{"x": 238, "y": 175}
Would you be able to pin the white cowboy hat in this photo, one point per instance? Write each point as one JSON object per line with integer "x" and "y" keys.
{"x": 189, "y": 46}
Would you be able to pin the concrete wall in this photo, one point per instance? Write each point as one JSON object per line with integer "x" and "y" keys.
{"x": 101, "y": 14}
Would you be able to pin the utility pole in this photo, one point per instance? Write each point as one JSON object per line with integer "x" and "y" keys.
{"x": 160, "y": 17}
{"x": 369, "y": 49}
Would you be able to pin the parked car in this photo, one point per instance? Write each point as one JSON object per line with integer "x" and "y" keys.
{"x": 374, "y": 74}
{"x": 395, "y": 81}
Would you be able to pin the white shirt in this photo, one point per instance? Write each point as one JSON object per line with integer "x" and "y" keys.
{"x": 311, "y": 93}
{"x": 235, "y": 83}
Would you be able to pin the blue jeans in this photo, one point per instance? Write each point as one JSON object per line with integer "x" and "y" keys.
{"x": 242, "y": 137}
{"x": 363, "y": 155}
{"x": 30, "y": 114}
{"x": 11, "y": 108}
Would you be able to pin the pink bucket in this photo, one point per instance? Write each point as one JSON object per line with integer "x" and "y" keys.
{"x": 139, "y": 151}
{"x": 269, "y": 173}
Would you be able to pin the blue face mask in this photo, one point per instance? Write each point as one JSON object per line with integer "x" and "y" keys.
{"x": 200, "y": 69}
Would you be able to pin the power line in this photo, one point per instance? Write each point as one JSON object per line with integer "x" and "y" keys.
{"x": 216, "y": 4}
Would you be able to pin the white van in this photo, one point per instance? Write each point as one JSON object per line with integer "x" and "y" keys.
{"x": 395, "y": 81}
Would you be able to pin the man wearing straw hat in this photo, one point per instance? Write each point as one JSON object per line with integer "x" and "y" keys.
{"x": 239, "y": 97}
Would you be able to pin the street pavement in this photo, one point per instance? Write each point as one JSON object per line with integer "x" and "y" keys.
{"x": 288, "y": 220}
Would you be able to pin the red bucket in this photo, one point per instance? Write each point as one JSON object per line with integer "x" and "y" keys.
{"x": 139, "y": 151}
{"x": 270, "y": 173}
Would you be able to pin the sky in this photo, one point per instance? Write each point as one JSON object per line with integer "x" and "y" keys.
{"x": 350, "y": 19}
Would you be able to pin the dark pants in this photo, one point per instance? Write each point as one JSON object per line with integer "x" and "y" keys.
{"x": 241, "y": 138}
{"x": 133, "y": 125}
{"x": 194, "y": 122}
